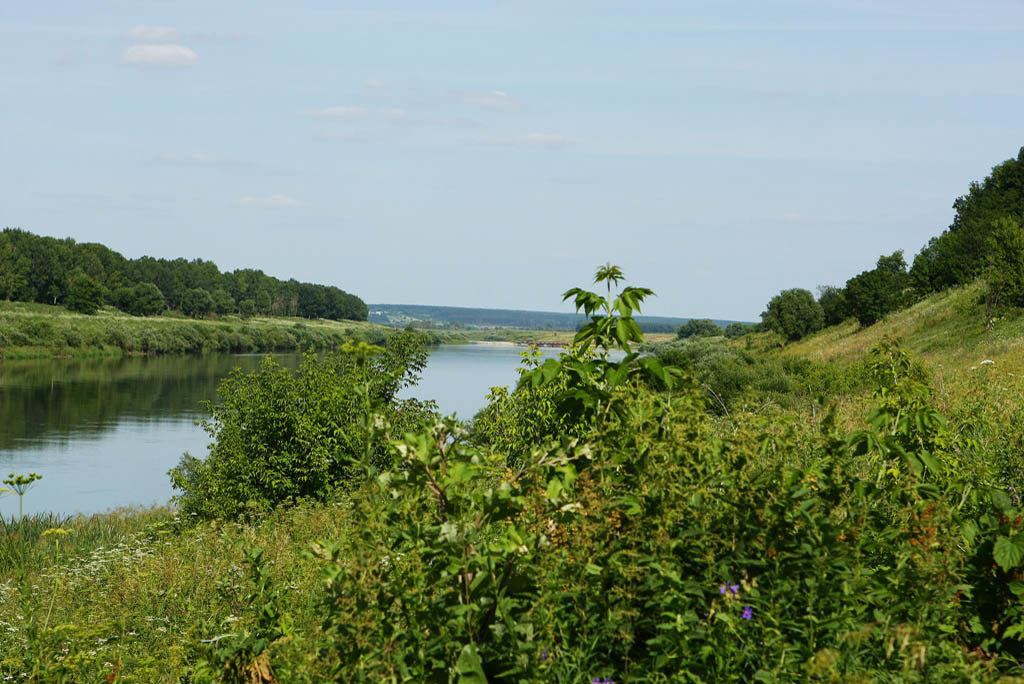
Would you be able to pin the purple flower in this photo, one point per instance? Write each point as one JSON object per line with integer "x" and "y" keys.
{"x": 734, "y": 588}
{"x": 748, "y": 613}
{"x": 721, "y": 590}
{"x": 544, "y": 655}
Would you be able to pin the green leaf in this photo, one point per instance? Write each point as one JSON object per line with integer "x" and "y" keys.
{"x": 1013, "y": 631}
{"x": 469, "y": 666}
{"x": 1007, "y": 553}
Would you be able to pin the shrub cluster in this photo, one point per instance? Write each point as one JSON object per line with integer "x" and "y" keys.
{"x": 279, "y": 436}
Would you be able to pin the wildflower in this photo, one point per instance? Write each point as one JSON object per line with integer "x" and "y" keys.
{"x": 544, "y": 655}
{"x": 748, "y": 613}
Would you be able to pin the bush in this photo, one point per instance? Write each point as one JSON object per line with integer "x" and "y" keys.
{"x": 278, "y": 436}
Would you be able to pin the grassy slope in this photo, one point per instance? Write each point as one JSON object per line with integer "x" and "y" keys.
{"x": 946, "y": 328}
{"x": 947, "y": 332}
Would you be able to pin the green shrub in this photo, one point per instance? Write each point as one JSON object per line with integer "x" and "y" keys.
{"x": 278, "y": 436}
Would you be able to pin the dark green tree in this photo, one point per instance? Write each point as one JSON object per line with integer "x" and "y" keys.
{"x": 960, "y": 254}
{"x": 247, "y": 308}
{"x": 794, "y": 314}
{"x": 223, "y": 302}
{"x": 196, "y": 303}
{"x": 147, "y": 300}
{"x": 872, "y": 294}
{"x": 833, "y": 304}
{"x": 1004, "y": 271}
{"x": 85, "y": 295}
{"x": 698, "y": 327}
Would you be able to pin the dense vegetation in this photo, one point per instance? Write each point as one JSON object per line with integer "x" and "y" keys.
{"x": 84, "y": 276}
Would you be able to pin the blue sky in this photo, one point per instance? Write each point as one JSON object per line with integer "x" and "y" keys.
{"x": 493, "y": 153}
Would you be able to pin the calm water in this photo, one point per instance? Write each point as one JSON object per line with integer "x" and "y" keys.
{"x": 104, "y": 433}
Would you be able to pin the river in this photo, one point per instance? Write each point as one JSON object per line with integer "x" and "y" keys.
{"x": 104, "y": 432}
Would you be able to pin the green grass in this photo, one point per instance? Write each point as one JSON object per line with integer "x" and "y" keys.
{"x": 141, "y": 589}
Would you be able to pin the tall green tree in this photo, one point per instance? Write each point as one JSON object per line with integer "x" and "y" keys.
{"x": 1004, "y": 269}
{"x": 833, "y": 304}
{"x": 794, "y": 314}
{"x": 872, "y": 294}
{"x": 85, "y": 295}
{"x": 196, "y": 303}
{"x": 960, "y": 254}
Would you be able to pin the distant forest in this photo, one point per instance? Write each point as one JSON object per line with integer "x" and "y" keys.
{"x": 84, "y": 276}
{"x": 457, "y": 317}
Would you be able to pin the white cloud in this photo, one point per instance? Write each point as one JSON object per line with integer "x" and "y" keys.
{"x": 153, "y": 34}
{"x": 275, "y": 201}
{"x": 534, "y": 140}
{"x": 497, "y": 100}
{"x": 160, "y": 55}
{"x": 374, "y": 84}
{"x": 348, "y": 113}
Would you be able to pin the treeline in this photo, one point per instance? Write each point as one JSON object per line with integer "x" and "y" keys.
{"x": 84, "y": 276}
{"x": 457, "y": 317}
{"x": 985, "y": 240}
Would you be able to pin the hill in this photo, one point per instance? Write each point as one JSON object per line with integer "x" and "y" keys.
{"x": 401, "y": 315}
{"x": 946, "y": 329}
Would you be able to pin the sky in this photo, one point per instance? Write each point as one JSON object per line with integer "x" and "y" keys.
{"x": 492, "y": 154}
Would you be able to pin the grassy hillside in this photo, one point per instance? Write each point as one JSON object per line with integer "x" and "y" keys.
{"x": 946, "y": 326}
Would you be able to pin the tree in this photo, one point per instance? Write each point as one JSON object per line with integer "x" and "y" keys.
{"x": 223, "y": 302}
{"x": 247, "y": 308}
{"x": 1004, "y": 271}
{"x": 794, "y": 314}
{"x": 960, "y": 254}
{"x": 872, "y": 294}
{"x": 147, "y": 300}
{"x": 833, "y": 304}
{"x": 85, "y": 295}
{"x": 698, "y": 327}
{"x": 196, "y": 303}
{"x": 735, "y": 330}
